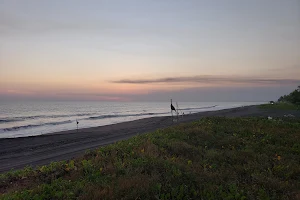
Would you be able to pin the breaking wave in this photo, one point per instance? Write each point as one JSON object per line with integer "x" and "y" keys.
{"x": 35, "y": 125}
{"x": 127, "y": 115}
{"x": 24, "y": 118}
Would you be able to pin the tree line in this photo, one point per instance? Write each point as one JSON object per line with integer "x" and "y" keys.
{"x": 293, "y": 97}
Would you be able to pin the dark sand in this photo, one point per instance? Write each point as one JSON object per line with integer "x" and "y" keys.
{"x": 17, "y": 153}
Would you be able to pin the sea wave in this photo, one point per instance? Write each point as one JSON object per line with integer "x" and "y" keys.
{"x": 84, "y": 116}
{"x": 35, "y": 125}
{"x": 24, "y": 118}
{"x": 198, "y": 108}
{"x": 126, "y": 115}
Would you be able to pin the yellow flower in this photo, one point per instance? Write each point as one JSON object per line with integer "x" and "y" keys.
{"x": 189, "y": 162}
{"x": 143, "y": 150}
{"x": 278, "y": 157}
{"x": 101, "y": 169}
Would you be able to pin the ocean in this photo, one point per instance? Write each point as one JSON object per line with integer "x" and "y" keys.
{"x": 22, "y": 119}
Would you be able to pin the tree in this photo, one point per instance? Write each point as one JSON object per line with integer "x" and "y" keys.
{"x": 293, "y": 97}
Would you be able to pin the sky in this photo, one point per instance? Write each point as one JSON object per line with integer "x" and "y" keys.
{"x": 149, "y": 50}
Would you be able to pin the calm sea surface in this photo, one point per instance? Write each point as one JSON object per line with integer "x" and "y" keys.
{"x": 21, "y": 119}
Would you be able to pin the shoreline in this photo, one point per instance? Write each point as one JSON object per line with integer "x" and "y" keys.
{"x": 37, "y": 150}
{"x": 28, "y": 130}
{"x": 92, "y": 127}
{"x": 75, "y": 130}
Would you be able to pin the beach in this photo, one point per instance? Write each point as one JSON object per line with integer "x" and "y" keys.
{"x": 23, "y": 118}
{"x": 16, "y": 153}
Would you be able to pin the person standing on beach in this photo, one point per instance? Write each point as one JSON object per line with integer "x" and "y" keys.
{"x": 77, "y": 122}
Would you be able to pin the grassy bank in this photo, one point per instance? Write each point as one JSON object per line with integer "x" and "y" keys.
{"x": 214, "y": 158}
{"x": 280, "y": 106}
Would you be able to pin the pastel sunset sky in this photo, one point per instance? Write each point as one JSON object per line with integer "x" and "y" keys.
{"x": 149, "y": 50}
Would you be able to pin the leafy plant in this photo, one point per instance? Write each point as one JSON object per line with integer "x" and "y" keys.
{"x": 212, "y": 158}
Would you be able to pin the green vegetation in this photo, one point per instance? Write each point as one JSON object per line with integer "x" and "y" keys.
{"x": 280, "y": 106}
{"x": 213, "y": 158}
{"x": 293, "y": 97}
{"x": 286, "y": 102}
